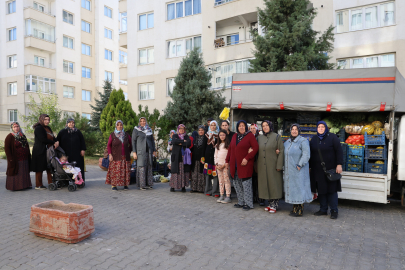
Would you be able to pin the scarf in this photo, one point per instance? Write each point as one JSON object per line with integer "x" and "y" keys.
{"x": 40, "y": 121}
{"x": 181, "y": 136}
{"x": 119, "y": 134}
{"x": 299, "y": 131}
{"x": 240, "y": 136}
{"x": 70, "y": 130}
{"x": 270, "y": 126}
{"x": 215, "y": 132}
{"x": 170, "y": 138}
{"x": 146, "y": 129}
{"x": 321, "y": 136}
{"x": 257, "y": 130}
{"x": 19, "y": 136}
{"x": 200, "y": 138}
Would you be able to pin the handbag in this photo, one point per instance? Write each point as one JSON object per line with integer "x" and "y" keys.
{"x": 331, "y": 174}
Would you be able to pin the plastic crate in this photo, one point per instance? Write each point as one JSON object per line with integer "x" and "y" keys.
{"x": 374, "y": 139}
{"x": 344, "y": 150}
{"x": 342, "y": 135}
{"x": 285, "y": 138}
{"x": 310, "y": 129}
{"x": 354, "y": 159}
{"x": 355, "y": 150}
{"x": 371, "y": 152}
{"x": 308, "y": 136}
{"x": 372, "y": 167}
{"x": 354, "y": 167}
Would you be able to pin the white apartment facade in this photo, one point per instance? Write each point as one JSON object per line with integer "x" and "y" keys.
{"x": 67, "y": 48}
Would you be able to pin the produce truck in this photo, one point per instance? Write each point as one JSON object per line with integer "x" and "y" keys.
{"x": 374, "y": 93}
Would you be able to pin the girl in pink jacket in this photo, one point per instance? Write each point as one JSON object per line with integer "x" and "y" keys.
{"x": 221, "y": 151}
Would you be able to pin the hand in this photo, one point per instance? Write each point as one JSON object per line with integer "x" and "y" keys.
{"x": 339, "y": 169}
{"x": 185, "y": 140}
{"x": 179, "y": 143}
{"x": 298, "y": 168}
{"x": 277, "y": 151}
{"x": 154, "y": 154}
{"x": 244, "y": 162}
{"x": 278, "y": 170}
{"x": 250, "y": 150}
{"x": 134, "y": 156}
{"x": 110, "y": 158}
{"x": 82, "y": 153}
{"x": 56, "y": 145}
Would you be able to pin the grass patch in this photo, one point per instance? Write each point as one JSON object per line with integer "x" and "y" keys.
{"x": 3, "y": 155}
{"x": 91, "y": 160}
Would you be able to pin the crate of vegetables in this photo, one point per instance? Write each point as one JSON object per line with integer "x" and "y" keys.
{"x": 374, "y": 139}
{"x": 355, "y": 150}
{"x": 375, "y": 152}
{"x": 379, "y": 167}
{"x": 354, "y": 168}
{"x": 355, "y": 140}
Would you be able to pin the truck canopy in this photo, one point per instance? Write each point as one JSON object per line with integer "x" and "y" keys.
{"x": 346, "y": 90}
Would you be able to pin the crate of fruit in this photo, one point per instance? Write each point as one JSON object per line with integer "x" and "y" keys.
{"x": 308, "y": 135}
{"x": 354, "y": 159}
{"x": 375, "y": 152}
{"x": 378, "y": 167}
{"x": 355, "y": 150}
{"x": 374, "y": 139}
{"x": 308, "y": 128}
{"x": 354, "y": 168}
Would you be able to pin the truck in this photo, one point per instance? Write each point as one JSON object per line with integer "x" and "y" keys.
{"x": 284, "y": 96}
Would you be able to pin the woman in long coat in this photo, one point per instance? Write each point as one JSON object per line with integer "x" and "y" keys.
{"x": 71, "y": 140}
{"x": 43, "y": 138}
{"x": 143, "y": 150}
{"x": 119, "y": 150}
{"x": 180, "y": 173}
{"x": 211, "y": 177}
{"x": 18, "y": 159}
{"x": 270, "y": 166}
{"x": 197, "y": 176}
{"x": 297, "y": 186}
{"x": 332, "y": 154}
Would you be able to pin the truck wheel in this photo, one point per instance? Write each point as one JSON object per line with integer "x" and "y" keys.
{"x": 403, "y": 196}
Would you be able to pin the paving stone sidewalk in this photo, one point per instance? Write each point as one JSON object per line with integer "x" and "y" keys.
{"x": 158, "y": 229}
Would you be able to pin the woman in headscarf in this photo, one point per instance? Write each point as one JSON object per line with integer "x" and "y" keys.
{"x": 270, "y": 166}
{"x": 329, "y": 146}
{"x": 43, "y": 138}
{"x": 241, "y": 161}
{"x": 71, "y": 140}
{"x": 297, "y": 186}
{"x": 169, "y": 142}
{"x": 180, "y": 173}
{"x": 18, "y": 159}
{"x": 143, "y": 150}
{"x": 119, "y": 150}
{"x": 211, "y": 177}
{"x": 197, "y": 176}
{"x": 255, "y": 131}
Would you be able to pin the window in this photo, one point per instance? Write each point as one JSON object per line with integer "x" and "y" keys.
{"x": 222, "y": 73}
{"x": 357, "y": 63}
{"x": 146, "y": 56}
{"x": 146, "y": 91}
{"x": 39, "y": 61}
{"x": 108, "y": 12}
{"x": 67, "y": 17}
{"x": 108, "y": 76}
{"x": 126, "y": 96}
{"x": 86, "y": 95}
{"x": 86, "y": 115}
{"x": 342, "y": 21}
{"x": 85, "y": 26}
{"x": 86, "y": 4}
{"x": 39, "y": 30}
{"x": 68, "y": 91}
{"x": 372, "y": 61}
{"x": 39, "y": 7}
{"x": 387, "y": 14}
{"x": 68, "y": 67}
{"x": 107, "y": 33}
{"x": 183, "y": 8}
{"x": 343, "y": 64}
{"x": 11, "y": 7}
{"x": 220, "y": 2}
{"x": 108, "y": 55}
{"x": 68, "y": 114}
{"x": 370, "y": 17}
{"x": 12, "y": 88}
{"x": 12, "y": 116}
{"x": 67, "y": 42}
{"x": 12, "y": 61}
{"x": 37, "y": 83}
{"x": 86, "y": 73}
{"x": 12, "y": 34}
{"x": 146, "y": 21}
{"x": 123, "y": 57}
{"x": 123, "y": 22}
{"x": 86, "y": 49}
{"x": 388, "y": 60}
{"x": 170, "y": 86}
{"x": 183, "y": 46}
{"x": 357, "y": 21}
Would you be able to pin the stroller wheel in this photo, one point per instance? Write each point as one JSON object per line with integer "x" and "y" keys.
{"x": 51, "y": 186}
{"x": 81, "y": 186}
{"x": 71, "y": 188}
{"x": 58, "y": 184}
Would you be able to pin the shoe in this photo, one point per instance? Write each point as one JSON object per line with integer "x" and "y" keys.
{"x": 294, "y": 210}
{"x": 126, "y": 188}
{"x": 333, "y": 214}
{"x": 142, "y": 188}
{"x": 246, "y": 208}
{"x": 41, "y": 187}
{"x": 267, "y": 209}
{"x": 114, "y": 188}
{"x": 183, "y": 189}
{"x": 320, "y": 213}
{"x": 208, "y": 194}
{"x": 150, "y": 187}
{"x": 238, "y": 205}
{"x": 216, "y": 196}
{"x": 227, "y": 200}
{"x": 220, "y": 199}
{"x": 272, "y": 210}
{"x": 171, "y": 189}
{"x": 299, "y": 211}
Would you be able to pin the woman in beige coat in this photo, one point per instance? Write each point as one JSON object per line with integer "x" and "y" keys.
{"x": 270, "y": 166}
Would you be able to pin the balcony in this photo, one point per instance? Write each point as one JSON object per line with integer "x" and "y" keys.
{"x": 34, "y": 69}
{"x": 123, "y": 74}
{"x": 123, "y": 40}
{"x": 39, "y": 35}
{"x": 122, "y": 5}
{"x": 40, "y": 44}
{"x": 39, "y": 15}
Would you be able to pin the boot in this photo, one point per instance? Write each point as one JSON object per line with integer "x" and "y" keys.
{"x": 292, "y": 213}
{"x": 299, "y": 211}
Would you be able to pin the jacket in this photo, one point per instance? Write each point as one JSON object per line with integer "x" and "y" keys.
{"x": 116, "y": 146}
{"x": 11, "y": 153}
{"x": 220, "y": 155}
{"x": 140, "y": 144}
{"x": 176, "y": 158}
{"x": 39, "y": 162}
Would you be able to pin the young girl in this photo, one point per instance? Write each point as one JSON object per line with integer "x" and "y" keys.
{"x": 221, "y": 150}
{"x": 77, "y": 174}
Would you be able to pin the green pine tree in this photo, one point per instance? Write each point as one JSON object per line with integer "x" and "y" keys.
{"x": 100, "y": 104}
{"x": 117, "y": 109}
{"x": 192, "y": 101}
{"x": 289, "y": 42}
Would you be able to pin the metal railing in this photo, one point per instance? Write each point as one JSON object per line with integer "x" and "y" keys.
{"x": 47, "y": 13}
{"x": 38, "y": 65}
{"x": 219, "y": 42}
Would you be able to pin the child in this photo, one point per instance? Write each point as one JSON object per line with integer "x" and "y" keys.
{"x": 77, "y": 175}
{"x": 221, "y": 150}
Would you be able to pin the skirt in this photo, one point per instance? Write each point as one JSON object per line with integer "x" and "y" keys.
{"x": 22, "y": 180}
{"x": 181, "y": 179}
{"x": 144, "y": 176}
{"x": 119, "y": 173}
{"x": 197, "y": 178}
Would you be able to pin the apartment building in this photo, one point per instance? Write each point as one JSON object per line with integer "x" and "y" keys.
{"x": 67, "y": 48}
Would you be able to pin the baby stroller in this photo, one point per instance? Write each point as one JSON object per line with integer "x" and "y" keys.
{"x": 60, "y": 178}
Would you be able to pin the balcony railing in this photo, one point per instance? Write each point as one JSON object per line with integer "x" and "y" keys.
{"x": 220, "y": 2}
{"x": 40, "y": 10}
{"x": 220, "y": 42}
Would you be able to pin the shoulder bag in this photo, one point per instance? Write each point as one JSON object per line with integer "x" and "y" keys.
{"x": 331, "y": 174}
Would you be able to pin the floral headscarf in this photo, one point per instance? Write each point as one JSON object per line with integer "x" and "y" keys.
{"x": 70, "y": 130}
{"x": 40, "y": 121}
{"x": 146, "y": 129}
{"x": 270, "y": 126}
{"x": 19, "y": 136}
{"x": 215, "y": 131}
{"x": 119, "y": 134}
{"x": 181, "y": 136}
{"x": 299, "y": 131}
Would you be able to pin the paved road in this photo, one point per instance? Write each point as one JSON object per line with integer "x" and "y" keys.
{"x": 156, "y": 229}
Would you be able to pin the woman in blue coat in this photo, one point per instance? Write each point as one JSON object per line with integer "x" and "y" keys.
{"x": 297, "y": 185}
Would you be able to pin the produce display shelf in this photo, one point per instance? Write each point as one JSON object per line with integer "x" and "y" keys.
{"x": 355, "y": 150}
{"x": 374, "y": 139}
{"x": 371, "y": 152}
{"x": 372, "y": 167}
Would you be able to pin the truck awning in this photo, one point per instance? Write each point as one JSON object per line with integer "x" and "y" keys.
{"x": 346, "y": 90}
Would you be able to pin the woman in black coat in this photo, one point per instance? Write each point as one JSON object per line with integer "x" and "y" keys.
{"x": 43, "y": 137}
{"x": 332, "y": 154}
{"x": 71, "y": 140}
{"x": 180, "y": 172}
{"x": 197, "y": 176}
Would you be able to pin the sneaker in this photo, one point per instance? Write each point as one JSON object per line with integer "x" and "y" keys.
{"x": 237, "y": 205}
{"x": 183, "y": 189}
{"x": 320, "y": 213}
{"x": 208, "y": 194}
{"x": 171, "y": 189}
{"x": 150, "y": 187}
{"x": 246, "y": 208}
{"x": 142, "y": 188}
{"x": 41, "y": 187}
{"x": 126, "y": 188}
{"x": 220, "y": 199}
{"x": 216, "y": 196}
{"x": 227, "y": 200}
{"x": 333, "y": 214}
{"x": 114, "y": 188}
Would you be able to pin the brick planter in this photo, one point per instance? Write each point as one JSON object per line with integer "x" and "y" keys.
{"x": 69, "y": 223}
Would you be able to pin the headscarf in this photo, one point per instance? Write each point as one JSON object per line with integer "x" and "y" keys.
{"x": 299, "y": 131}
{"x": 181, "y": 136}
{"x": 70, "y": 130}
{"x": 146, "y": 129}
{"x": 119, "y": 134}
{"x": 239, "y": 135}
{"x": 215, "y": 132}
{"x": 200, "y": 138}
{"x": 321, "y": 136}
{"x": 257, "y": 129}
{"x": 19, "y": 136}
{"x": 40, "y": 121}
{"x": 270, "y": 126}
